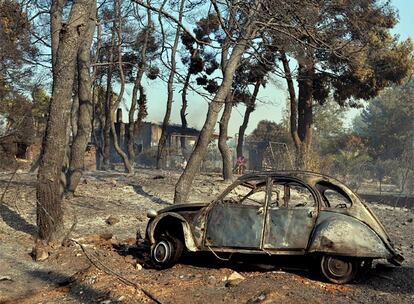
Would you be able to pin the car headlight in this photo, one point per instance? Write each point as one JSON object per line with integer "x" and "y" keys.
{"x": 151, "y": 213}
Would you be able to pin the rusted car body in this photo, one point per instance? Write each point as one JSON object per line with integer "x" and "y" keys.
{"x": 277, "y": 213}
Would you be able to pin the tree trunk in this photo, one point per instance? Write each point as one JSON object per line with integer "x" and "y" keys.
{"x": 249, "y": 110}
{"x": 293, "y": 101}
{"x": 305, "y": 113}
{"x": 132, "y": 127}
{"x": 74, "y": 111}
{"x": 108, "y": 104}
{"x": 84, "y": 129}
{"x": 225, "y": 151}
{"x": 170, "y": 94}
{"x": 185, "y": 181}
{"x": 300, "y": 111}
{"x": 56, "y": 11}
{"x": 183, "y": 113}
{"x": 128, "y": 167}
{"x": 118, "y": 149}
{"x": 49, "y": 190}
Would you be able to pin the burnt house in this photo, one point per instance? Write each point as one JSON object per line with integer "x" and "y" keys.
{"x": 17, "y": 135}
{"x": 147, "y": 138}
{"x": 150, "y": 133}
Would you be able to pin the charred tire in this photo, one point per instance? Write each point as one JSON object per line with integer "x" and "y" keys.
{"x": 339, "y": 270}
{"x": 166, "y": 252}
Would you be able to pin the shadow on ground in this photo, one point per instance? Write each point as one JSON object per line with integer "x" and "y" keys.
{"x": 16, "y": 221}
{"x": 139, "y": 190}
{"x": 382, "y": 278}
{"x": 389, "y": 279}
{"x": 76, "y": 290}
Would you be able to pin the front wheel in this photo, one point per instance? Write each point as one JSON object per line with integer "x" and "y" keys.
{"x": 166, "y": 252}
{"x": 339, "y": 270}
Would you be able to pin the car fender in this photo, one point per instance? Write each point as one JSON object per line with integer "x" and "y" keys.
{"x": 344, "y": 235}
{"x": 188, "y": 236}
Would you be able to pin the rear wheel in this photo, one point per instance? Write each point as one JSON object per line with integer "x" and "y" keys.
{"x": 166, "y": 252}
{"x": 339, "y": 270}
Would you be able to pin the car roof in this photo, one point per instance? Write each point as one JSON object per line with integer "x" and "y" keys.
{"x": 309, "y": 177}
{"x": 300, "y": 174}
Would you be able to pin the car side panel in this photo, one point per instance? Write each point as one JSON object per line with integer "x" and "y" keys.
{"x": 343, "y": 235}
{"x": 234, "y": 226}
{"x": 288, "y": 229}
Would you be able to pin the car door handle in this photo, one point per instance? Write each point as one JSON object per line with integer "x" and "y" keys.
{"x": 260, "y": 211}
{"x": 312, "y": 213}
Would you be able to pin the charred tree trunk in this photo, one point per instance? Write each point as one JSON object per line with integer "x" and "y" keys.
{"x": 183, "y": 112}
{"x": 97, "y": 119}
{"x": 293, "y": 101}
{"x": 133, "y": 126}
{"x": 186, "y": 179}
{"x": 300, "y": 111}
{"x": 108, "y": 104}
{"x": 170, "y": 90}
{"x": 222, "y": 142}
{"x": 142, "y": 108}
{"x": 128, "y": 167}
{"x": 305, "y": 114}
{"x": 49, "y": 189}
{"x": 249, "y": 110}
{"x": 80, "y": 142}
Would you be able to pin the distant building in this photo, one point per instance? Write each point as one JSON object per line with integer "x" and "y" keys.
{"x": 150, "y": 134}
{"x": 147, "y": 138}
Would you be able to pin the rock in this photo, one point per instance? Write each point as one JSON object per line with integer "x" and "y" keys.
{"x": 138, "y": 266}
{"x": 410, "y": 220}
{"x": 112, "y": 220}
{"x": 5, "y": 278}
{"x": 121, "y": 298}
{"x": 235, "y": 276}
{"x": 106, "y": 236}
{"x": 234, "y": 279}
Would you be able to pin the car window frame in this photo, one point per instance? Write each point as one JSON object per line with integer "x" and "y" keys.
{"x": 263, "y": 183}
{"x": 285, "y": 180}
{"x": 324, "y": 185}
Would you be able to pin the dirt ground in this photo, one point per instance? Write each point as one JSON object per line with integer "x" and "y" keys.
{"x": 109, "y": 268}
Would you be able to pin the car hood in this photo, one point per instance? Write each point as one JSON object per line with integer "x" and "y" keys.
{"x": 183, "y": 207}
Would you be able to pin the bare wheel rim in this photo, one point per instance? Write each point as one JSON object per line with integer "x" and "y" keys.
{"x": 338, "y": 270}
{"x": 162, "y": 252}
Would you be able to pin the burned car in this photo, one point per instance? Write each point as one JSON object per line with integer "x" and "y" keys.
{"x": 276, "y": 213}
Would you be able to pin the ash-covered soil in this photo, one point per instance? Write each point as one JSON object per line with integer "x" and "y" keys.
{"x": 112, "y": 270}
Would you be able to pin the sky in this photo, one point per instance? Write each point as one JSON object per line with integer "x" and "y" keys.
{"x": 272, "y": 99}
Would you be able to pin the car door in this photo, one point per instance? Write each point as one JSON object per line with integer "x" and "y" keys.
{"x": 237, "y": 220}
{"x": 291, "y": 215}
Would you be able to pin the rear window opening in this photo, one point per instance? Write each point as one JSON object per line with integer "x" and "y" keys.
{"x": 333, "y": 196}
